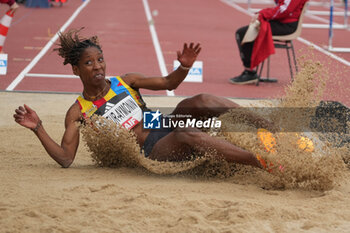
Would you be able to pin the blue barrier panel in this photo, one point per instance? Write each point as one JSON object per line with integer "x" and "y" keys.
{"x": 38, "y": 3}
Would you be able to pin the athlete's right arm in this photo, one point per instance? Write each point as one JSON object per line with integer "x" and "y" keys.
{"x": 63, "y": 154}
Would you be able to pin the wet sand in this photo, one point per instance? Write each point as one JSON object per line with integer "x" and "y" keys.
{"x": 39, "y": 196}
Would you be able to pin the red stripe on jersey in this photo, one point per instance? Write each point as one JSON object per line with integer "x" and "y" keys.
{"x": 99, "y": 102}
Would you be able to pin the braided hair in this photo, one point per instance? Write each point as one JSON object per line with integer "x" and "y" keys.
{"x": 71, "y": 46}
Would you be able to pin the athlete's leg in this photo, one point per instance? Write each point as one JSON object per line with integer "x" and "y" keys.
{"x": 180, "y": 143}
{"x": 204, "y": 105}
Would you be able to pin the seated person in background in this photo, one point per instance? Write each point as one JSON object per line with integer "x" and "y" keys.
{"x": 283, "y": 20}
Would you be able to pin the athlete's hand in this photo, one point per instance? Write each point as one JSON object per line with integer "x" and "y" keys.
{"x": 26, "y": 117}
{"x": 189, "y": 54}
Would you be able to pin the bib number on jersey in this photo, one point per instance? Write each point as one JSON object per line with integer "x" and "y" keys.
{"x": 125, "y": 112}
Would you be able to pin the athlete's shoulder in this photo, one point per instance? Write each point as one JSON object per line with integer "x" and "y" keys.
{"x": 74, "y": 112}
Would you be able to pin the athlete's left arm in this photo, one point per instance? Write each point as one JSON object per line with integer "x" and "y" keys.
{"x": 186, "y": 57}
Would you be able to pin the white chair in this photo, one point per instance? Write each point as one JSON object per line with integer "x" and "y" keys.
{"x": 283, "y": 42}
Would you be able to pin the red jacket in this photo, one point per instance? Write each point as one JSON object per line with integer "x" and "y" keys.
{"x": 263, "y": 45}
{"x": 8, "y": 2}
{"x": 286, "y": 11}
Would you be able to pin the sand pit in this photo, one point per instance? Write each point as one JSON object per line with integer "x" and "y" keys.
{"x": 39, "y": 196}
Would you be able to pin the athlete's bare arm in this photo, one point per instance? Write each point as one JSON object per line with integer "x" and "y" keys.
{"x": 186, "y": 57}
{"x": 63, "y": 154}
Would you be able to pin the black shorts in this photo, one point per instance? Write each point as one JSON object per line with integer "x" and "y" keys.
{"x": 153, "y": 137}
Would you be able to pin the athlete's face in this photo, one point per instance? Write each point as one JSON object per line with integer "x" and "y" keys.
{"x": 91, "y": 67}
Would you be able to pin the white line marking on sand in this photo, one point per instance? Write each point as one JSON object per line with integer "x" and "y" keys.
{"x": 20, "y": 77}
{"x": 156, "y": 44}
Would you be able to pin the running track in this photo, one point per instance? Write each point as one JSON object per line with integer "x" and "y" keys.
{"x": 124, "y": 32}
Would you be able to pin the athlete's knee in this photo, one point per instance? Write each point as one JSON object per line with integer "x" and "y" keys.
{"x": 196, "y": 102}
{"x": 202, "y": 100}
{"x": 188, "y": 136}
